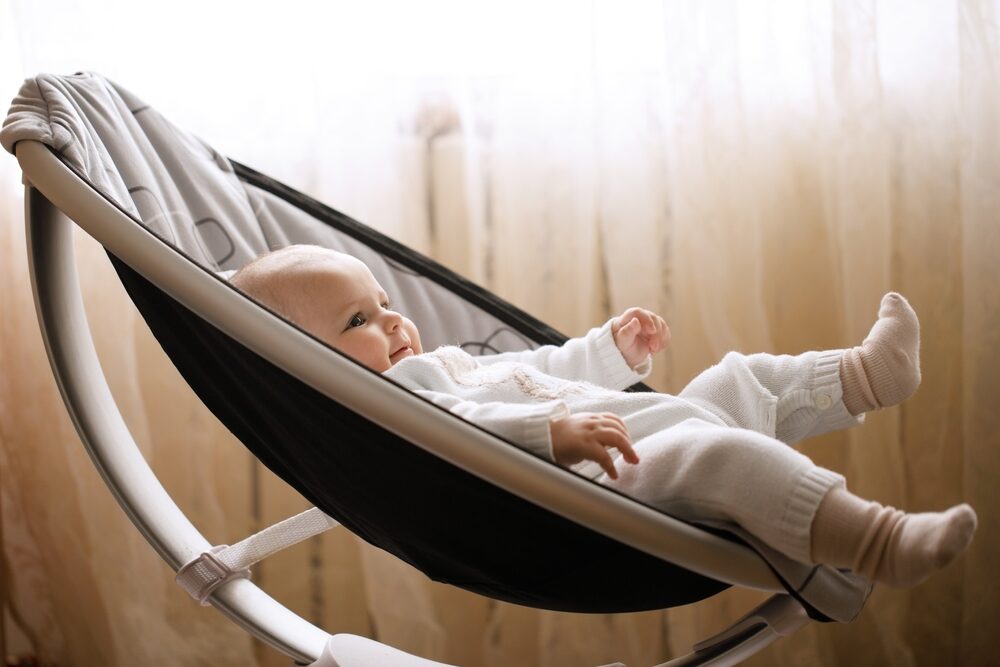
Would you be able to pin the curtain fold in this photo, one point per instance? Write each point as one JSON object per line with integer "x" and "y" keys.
{"x": 760, "y": 173}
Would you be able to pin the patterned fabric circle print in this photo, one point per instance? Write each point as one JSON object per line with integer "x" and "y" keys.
{"x": 152, "y": 214}
{"x": 214, "y": 240}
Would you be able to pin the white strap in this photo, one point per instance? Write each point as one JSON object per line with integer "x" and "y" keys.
{"x": 201, "y": 576}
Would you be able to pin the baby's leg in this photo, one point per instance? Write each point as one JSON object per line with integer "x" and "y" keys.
{"x": 698, "y": 470}
{"x": 887, "y": 545}
{"x": 816, "y": 392}
{"x": 782, "y": 396}
{"x": 702, "y": 471}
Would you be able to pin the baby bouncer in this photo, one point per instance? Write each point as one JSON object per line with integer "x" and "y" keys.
{"x": 175, "y": 217}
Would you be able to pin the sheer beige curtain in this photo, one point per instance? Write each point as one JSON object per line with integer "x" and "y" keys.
{"x": 758, "y": 172}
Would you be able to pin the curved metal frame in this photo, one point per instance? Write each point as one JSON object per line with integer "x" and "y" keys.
{"x": 86, "y": 394}
{"x": 108, "y": 441}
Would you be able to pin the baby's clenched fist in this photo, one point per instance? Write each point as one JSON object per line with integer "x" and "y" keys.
{"x": 639, "y": 333}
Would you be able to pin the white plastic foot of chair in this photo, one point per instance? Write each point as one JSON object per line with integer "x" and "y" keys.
{"x": 344, "y": 650}
{"x": 778, "y": 616}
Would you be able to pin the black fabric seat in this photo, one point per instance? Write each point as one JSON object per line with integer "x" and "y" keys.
{"x": 451, "y": 525}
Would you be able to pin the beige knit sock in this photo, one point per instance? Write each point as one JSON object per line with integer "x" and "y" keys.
{"x": 885, "y": 369}
{"x": 887, "y": 545}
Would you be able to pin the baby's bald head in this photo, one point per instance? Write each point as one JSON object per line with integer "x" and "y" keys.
{"x": 283, "y": 279}
{"x": 333, "y": 296}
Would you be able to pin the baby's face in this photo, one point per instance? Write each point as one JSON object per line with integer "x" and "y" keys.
{"x": 344, "y": 305}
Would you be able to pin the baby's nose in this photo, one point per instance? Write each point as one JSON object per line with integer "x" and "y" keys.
{"x": 393, "y": 320}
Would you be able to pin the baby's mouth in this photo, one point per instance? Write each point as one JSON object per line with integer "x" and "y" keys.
{"x": 401, "y": 353}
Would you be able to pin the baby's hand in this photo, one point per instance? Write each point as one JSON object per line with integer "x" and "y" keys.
{"x": 639, "y": 333}
{"x": 587, "y": 435}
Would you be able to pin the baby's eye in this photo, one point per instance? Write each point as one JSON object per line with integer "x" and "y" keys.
{"x": 385, "y": 305}
{"x": 356, "y": 321}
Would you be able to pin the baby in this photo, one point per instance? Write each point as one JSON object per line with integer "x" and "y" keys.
{"x": 719, "y": 450}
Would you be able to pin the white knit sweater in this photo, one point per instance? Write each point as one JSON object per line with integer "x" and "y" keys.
{"x": 516, "y": 394}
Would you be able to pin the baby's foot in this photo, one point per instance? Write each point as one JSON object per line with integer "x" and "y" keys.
{"x": 885, "y": 544}
{"x": 885, "y": 369}
{"x": 921, "y": 544}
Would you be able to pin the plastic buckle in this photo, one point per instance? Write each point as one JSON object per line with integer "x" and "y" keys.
{"x": 203, "y": 575}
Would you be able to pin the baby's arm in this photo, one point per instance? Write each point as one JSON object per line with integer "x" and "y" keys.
{"x": 593, "y": 358}
{"x": 615, "y": 355}
{"x": 524, "y": 424}
{"x": 547, "y": 429}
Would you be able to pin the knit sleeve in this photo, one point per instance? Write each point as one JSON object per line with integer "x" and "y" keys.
{"x": 593, "y": 358}
{"x": 524, "y": 424}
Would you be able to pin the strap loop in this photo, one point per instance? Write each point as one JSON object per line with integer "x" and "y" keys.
{"x": 204, "y": 574}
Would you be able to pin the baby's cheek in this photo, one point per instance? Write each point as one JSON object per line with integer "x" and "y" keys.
{"x": 414, "y": 335}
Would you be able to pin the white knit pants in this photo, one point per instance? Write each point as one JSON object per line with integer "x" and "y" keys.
{"x": 740, "y": 467}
